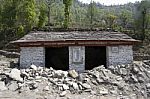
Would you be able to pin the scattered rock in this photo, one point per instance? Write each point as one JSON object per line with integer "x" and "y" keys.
{"x": 73, "y": 74}
{"x": 33, "y": 67}
{"x": 60, "y": 74}
{"x": 33, "y": 86}
{"x": 135, "y": 69}
{"x": 103, "y": 91}
{"x": 13, "y": 86}
{"x": 122, "y": 79}
{"x": 15, "y": 74}
{"x": 148, "y": 86}
{"x": 24, "y": 75}
{"x": 63, "y": 94}
{"x": 75, "y": 86}
{"x": 65, "y": 87}
{"x": 140, "y": 79}
{"x": 46, "y": 88}
{"x": 134, "y": 79}
{"x": 123, "y": 71}
{"x": 2, "y": 86}
{"x": 86, "y": 86}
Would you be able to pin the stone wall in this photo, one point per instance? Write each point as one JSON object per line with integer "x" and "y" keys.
{"x": 77, "y": 58}
{"x": 32, "y": 55}
{"x": 117, "y": 55}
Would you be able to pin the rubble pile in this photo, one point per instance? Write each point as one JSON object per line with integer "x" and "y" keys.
{"x": 126, "y": 80}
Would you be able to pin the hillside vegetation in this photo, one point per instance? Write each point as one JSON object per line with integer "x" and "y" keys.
{"x": 18, "y": 17}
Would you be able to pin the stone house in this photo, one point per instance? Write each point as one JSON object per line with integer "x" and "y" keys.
{"x": 75, "y": 49}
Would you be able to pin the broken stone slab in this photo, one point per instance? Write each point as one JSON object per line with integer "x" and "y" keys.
{"x": 13, "y": 86}
{"x": 63, "y": 94}
{"x": 94, "y": 82}
{"x": 65, "y": 87}
{"x": 81, "y": 77}
{"x": 86, "y": 86}
{"x": 75, "y": 86}
{"x": 123, "y": 71}
{"x": 87, "y": 90}
{"x": 148, "y": 86}
{"x": 119, "y": 78}
{"x": 80, "y": 87}
{"x": 34, "y": 67}
{"x": 15, "y": 75}
{"x": 103, "y": 91}
{"x": 24, "y": 75}
{"x": 46, "y": 88}
{"x": 135, "y": 69}
{"x": 2, "y": 86}
{"x": 33, "y": 86}
{"x": 73, "y": 74}
{"x": 20, "y": 85}
{"x": 99, "y": 80}
{"x": 141, "y": 79}
{"x": 134, "y": 79}
{"x": 60, "y": 74}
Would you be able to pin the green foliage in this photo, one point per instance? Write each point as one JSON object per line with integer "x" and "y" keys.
{"x": 9, "y": 14}
{"x": 20, "y": 31}
{"x": 27, "y": 14}
{"x": 43, "y": 16}
{"x": 143, "y": 19}
{"x": 67, "y": 4}
{"x": 110, "y": 20}
{"x": 18, "y": 17}
{"x": 125, "y": 17}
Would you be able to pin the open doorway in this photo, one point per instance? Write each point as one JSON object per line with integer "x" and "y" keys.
{"x": 95, "y": 56}
{"x": 57, "y": 58}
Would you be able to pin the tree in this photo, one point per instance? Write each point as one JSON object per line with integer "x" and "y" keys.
{"x": 27, "y": 14}
{"x": 1, "y": 9}
{"x": 49, "y": 3}
{"x": 67, "y": 4}
{"x": 17, "y": 16}
{"x": 110, "y": 20}
{"x": 9, "y": 13}
{"x": 125, "y": 17}
{"x": 42, "y": 15}
{"x": 143, "y": 16}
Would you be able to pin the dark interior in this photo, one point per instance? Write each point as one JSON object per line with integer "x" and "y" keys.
{"x": 57, "y": 58}
{"x": 95, "y": 56}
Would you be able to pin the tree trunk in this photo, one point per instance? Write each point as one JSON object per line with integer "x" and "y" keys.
{"x": 143, "y": 24}
{"x": 49, "y": 16}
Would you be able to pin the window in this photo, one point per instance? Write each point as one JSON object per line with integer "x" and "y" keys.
{"x": 115, "y": 49}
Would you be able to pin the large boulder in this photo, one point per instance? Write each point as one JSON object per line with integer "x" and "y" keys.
{"x": 15, "y": 75}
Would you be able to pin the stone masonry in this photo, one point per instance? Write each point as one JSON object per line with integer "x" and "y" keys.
{"x": 32, "y": 55}
{"x": 117, "y": 55}
{"x": 77, "y": 58}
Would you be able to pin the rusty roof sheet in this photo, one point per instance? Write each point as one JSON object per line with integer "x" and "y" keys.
{"x": 75, "y": 35}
